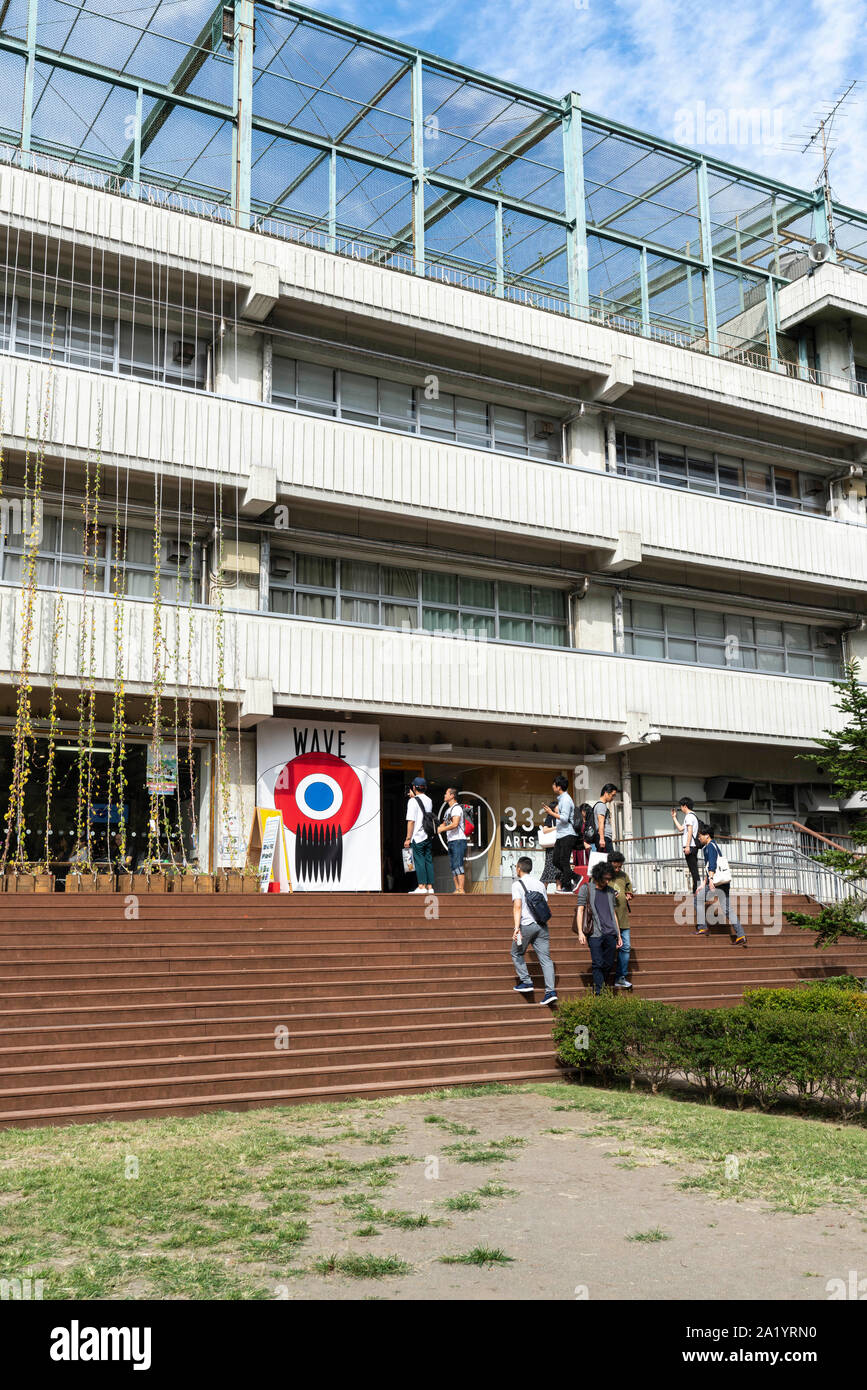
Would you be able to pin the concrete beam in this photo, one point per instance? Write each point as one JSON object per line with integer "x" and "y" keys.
{"x": 263, "y": 292}
{"x": 620, "y": 379}
{"x": 627, "y": 552}
{"x": 261, "y": 491}
{"x": 257, "y": 703}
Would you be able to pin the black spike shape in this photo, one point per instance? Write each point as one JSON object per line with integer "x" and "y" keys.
{"x": 318, "y": 853}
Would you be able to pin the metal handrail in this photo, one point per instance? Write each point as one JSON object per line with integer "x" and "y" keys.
{"x": 544, "y": 297}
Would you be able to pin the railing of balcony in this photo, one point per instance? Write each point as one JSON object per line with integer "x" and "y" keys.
{"x": 626, "y": 318}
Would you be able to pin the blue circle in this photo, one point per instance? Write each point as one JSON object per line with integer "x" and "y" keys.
{"x": 319, "y": 796}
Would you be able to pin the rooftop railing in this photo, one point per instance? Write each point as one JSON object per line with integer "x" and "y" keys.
{"x": 755, "y": 353}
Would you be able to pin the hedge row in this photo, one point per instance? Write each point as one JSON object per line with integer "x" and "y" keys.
{"x": 760, "y": 1051}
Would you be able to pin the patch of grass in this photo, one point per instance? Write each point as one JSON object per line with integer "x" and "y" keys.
{"x": 363, "y": 1210}
{"x": 485, "y": 1151}
{"x": 650, "y": 1237}
{"x": 451, "y": 1126}
{"x": 366, "y": 1231}
{"x": 362, "y": 1266}
{"x": 492, "y": 1188}
{"x": 480, "y": 1255}
{"x": 464, "y": 1201}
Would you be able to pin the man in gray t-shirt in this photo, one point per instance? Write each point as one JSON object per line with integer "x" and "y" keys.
{"x": 596, "y": 923}
{"x": 562, "y": 810}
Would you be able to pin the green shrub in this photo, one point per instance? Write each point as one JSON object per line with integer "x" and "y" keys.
{"x": 590, "y": 1034}
{"x": 813, "y": 1041}
{"x": 836, "y": 920}
{"x": 837, "y": 994}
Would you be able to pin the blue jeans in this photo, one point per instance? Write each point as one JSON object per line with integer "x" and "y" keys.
{"x": 457, "y": 849}
{"x": 422, "y": 858}
{"x": 603, "y": 951}
{"x": 623, "y": 954}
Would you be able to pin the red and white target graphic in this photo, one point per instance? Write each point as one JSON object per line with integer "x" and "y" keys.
{"x": 320, "y": 798}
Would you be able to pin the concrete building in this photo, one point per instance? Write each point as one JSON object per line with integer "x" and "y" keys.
{"x": 527, "y": 441}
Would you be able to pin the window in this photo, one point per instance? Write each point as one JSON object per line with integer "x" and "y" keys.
{"x": 370, "y": 400}
{"x": 705, "y": 637}
{"x": 718, "y": 475}
{"x": 393, "y": 596}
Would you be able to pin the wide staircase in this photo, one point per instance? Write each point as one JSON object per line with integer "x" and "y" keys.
{"x": 230, "y": 1002}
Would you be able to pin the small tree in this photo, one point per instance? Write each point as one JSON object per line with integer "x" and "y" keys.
{"x": 844, "y": 761}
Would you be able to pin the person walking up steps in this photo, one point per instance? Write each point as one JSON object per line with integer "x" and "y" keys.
{"x": 531, "y": 915}
{"x": 718, "y": 883}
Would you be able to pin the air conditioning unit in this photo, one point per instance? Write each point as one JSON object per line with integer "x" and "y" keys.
{"x": 281, "y": 567}
{"x": 827, "y": 637}
{"x": 545, "y": 428}
{"x": 728, "y": 789}
{"x": 178, "y": 553}
{"x": 819, "y": 253}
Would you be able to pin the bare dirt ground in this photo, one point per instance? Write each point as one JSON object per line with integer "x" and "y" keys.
{"x": 568, "y": 1225}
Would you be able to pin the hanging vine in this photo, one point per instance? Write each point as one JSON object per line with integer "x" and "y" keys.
{"x": 222, "y": 759}
{"x": 158, "y": 684}
{"x": 22, "y": 741}
{"x": 87, "y": 655}
{"x": 116, "y": 795}
{"x": 56, "y": 633}
{"x": 190, "y": 762}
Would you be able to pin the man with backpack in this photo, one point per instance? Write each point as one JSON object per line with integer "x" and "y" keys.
{"x": 562, "y": 812}
{"x": 599, "y": 834}
{"x": 531, "y": 915}
{"x": 454, "y": 825}
{"x": 420, "y": 830}
{"x": 595, "y": 922}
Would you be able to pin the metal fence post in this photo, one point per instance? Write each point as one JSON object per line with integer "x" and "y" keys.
{"x": 576, "y": 232}
{"x": 29, "y": 75}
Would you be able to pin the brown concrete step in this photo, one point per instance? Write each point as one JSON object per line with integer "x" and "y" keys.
{"x": 213, "y": 1086}
{"x": 322, "y": 1031}
{"x": 250, "y": 1100}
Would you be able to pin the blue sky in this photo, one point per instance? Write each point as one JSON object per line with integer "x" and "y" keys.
{"x": 677, "y": 68}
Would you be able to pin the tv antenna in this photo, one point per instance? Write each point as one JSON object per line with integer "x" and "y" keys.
{"x": 821, "y": 136}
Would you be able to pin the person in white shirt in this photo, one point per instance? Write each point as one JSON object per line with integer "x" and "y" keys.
{"x": 419, "y": 837}
{"x": 530, "y": 931}
{"x": 689, "y": 828}
{"x": 456, "y": 836}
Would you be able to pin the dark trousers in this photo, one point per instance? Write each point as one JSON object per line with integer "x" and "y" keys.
{"x": 692, "y": 865}
{"x": 563, "y": 860}
{"x": 603, "y": 953}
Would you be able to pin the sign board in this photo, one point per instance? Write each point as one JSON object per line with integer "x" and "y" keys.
{"x": 324, "y": 780}
{"x": 266, "y": 849}
{"x": 161, "y": 775}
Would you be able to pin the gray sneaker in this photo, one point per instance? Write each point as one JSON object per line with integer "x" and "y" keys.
{"x": 622, "y": 984}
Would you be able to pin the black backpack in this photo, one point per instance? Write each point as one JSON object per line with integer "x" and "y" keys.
{"x": 428, "y": 820}
{"x": 590, "y": 831}
{"x": 538, "y": 904}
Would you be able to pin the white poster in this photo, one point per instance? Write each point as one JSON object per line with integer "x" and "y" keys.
{"x": 324, "y": 778}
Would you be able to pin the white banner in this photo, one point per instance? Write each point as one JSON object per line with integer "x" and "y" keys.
{"x": 324, "y": 778}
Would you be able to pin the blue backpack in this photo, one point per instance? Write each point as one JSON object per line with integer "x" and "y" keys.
{"x": 538, "y": 904}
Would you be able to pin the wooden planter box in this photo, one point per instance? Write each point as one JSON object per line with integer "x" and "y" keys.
{"x": 89, "y": 883}
{"x": 146, "y": 883}
{"x": 39, "y": 882}
{"x": 230, "y": 881}
{"x": 193, "y": 883}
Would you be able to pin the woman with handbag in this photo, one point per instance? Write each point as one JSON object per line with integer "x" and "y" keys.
{"x": 717, "y": 882}
{"x": 547, "y": 840}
